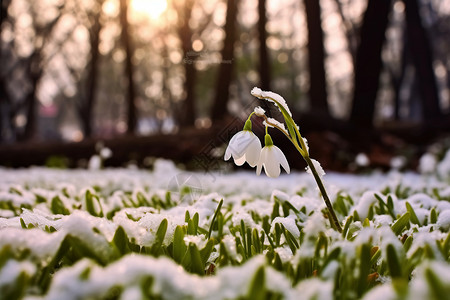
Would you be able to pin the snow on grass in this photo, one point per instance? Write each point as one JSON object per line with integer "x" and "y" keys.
{"x": 131, "y": 234}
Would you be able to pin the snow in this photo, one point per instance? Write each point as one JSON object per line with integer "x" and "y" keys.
{"x": 318, "y": 168}
{"x": 272, "y": 97}
{"x": 363, "y": 205}
{"x": 245, "y": 195}
{"x": 259, "y": 111}
{"x": 444, "y": 220}
{"x": 289, "y": 223}
{"x": 12, "y": 269}
{"x": 271, "y": 122}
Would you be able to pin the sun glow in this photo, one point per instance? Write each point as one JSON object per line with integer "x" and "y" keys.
{"x": 149, "y": 8}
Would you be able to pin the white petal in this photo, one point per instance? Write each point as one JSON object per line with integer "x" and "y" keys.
{"x": 253, "y": 152}
{"x": 227, "y": 153}
{"x": 282, "y": 159}
{"x": 239, "y": 161}
{"x": 261, "y": 161}
{"x": 237, "y": 144}
{"x": 271, "y": 164}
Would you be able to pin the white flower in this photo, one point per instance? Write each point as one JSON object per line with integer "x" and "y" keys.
{"x": 271, "y": 158}
{"x": 244, "y": 146}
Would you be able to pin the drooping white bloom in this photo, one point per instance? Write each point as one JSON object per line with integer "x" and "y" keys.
{"x": 244, "y": 146}
{"x": 271, "y": 158}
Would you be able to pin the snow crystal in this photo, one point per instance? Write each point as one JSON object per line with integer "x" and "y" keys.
{"x": 198, "y": 240}
{"x": 444, "y": 220}
{"x": 309, "y": 203}
{"x": 272, "y": 97}
{"x": 363, "y": 205}
{"x": 281, "y": 196}
{"x": 380, "y": 220}
{"x": 44, "y": 245}
{"x": 425, "y": 237}
{"x": 318, "y": 168}
{"x": 259, "y": 111}
{"x": 315, "y": 289}
{"x": 421, "y": 288}
{"x": 288, "y": 223}
{"x": 315, "y": 224}
{"x": 305, "y": 141}
{"x": 285, "y": 253}
{"x": 329, "y": 272}
{"x": 385, "y": 292}
{"x": 12, "y": 269}
{"x": 271, "y": 122}
{"x": 151, "y": 223}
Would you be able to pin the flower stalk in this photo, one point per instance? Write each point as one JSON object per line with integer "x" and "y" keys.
{"x": 293, "y": 134}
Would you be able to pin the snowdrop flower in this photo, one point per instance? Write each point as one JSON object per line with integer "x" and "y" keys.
{"x": 271, "y": 158}
{"x": 244, "y": 146}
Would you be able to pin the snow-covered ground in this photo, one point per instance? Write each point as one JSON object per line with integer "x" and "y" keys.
{"x": 137, "y": 234}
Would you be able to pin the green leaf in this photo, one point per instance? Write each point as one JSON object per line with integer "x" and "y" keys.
{"x": 179, "y": 246}
{"x": 438, "y": 289}
{"x": 403, "y": 221}
{"x": 413, "y": 217}
{"x": 433, "y": 216}
{"x": 120, "y": 240}
{"x": 197, "y": 266}
{"x": 214, "y": 218}
{"x": 206, "y": 251}
{"x": 346, "y": 226}
{"x": 57, "y": 207}
{"x": 257, "y": 288}
{"x": 364, "y": 268}
{"x": 394, "y": 265}
{"x": 159, "y": 239}
{"x": 407, "y": 244}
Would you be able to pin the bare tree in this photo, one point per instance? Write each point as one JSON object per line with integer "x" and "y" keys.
{"x": 129, "y": 68}
{"x": 85, "y": 108}
{"x": 423, "y": 62}
{"x": 264, "y": 61}
{"x": 368, "y": 62}
{"x": 316, "y": 53}
{"x": 187, "y": 116}
{"x": 219, "y": 109}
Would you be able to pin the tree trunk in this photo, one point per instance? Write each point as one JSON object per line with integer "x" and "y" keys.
{"x": 129, "y": 69}
{"x": 92, "y": 76}
{"x": 219, "y": 109}
{"x": 423, "y": 61}
{"x": 187, "y": 115}
{"x": 264, "y": 62}
{"x": 368, "y": 63}
{"x": 316, "y": 54}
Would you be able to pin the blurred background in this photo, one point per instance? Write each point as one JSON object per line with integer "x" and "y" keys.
{"x": 172, "y": 78}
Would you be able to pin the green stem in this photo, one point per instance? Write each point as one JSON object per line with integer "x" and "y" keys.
{"x": 333, "y": 218}
{"x": 303, "y": 150}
